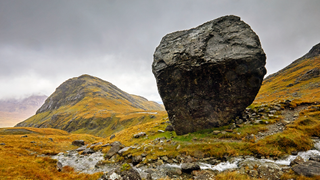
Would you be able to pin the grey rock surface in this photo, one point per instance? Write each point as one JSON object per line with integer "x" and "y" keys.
{"x": 121, "y": 174}
{"x": 189, "y": 167}
{"x": 209, "y": 74}
{"x": 309, "y": 168}
{"x": 115, "y": 147}
{"x": 140, "y": 134}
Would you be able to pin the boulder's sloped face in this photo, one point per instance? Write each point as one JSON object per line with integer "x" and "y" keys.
{"x": 208, "y": 74}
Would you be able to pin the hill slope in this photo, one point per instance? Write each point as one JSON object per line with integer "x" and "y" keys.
{"x": 13, "y": 111}
{"x": 299, "y": 81}
{"x": 88, "y": 104}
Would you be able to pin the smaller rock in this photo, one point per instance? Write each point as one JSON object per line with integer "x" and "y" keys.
{"x": 125, "y": 172}
{"x": 165, "y": 158}
{"x": 290, "y": 85}
{"x": 112, "y": 136}
{"x": 149, "y": 177}
{"x": 214, "y": 162}
{"x": 105, "y": 145}
{"x": 78, "y": 143}
{"x": 159, "y": 162}
{"x": 189, "y": 167}
{"x": 115, "y": 147}
{"x": 59, "y": 166}
{"x": 169, "y": 128}
{"x": 121, "y": 151}
{"x": 95, "y": 144}
{"x": 51, "y": 139}
{"x": 173, "y": 171}
{"x": 82, "y": 148}
{"x": 253, "y": 173}
{"x": 272, "y": 111}
{"x": 258, "y": 122}
{"x": 203, "y": 174}
{"x": 294, "y": 153}
{"x": 116, "y": 143}
{"x": 175, "y": 161}
{"x": 309, "y": 168}
{"x": 88, "y": 151}
{"x": 136, "y": 160}
{"x": 232, "y": 126}
{"x": 317, "y": 158}
{"x": 297, "y": 160}
{"x": 2, "y": 144}
{"x": 277, "y": 107}
{"x": 140, "y": 134}
{"x": 178, "y": 147}
{"x": 285, "y": 122}
{"x": 216, "y": 132}
{"x": 161, "y": 131}
{"x": 32, "y": 142}
{"x": 24, "y": 136}
{"x": 250, "y": 138}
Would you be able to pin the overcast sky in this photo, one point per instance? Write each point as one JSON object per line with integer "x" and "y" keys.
{"x": 44, "y": 43}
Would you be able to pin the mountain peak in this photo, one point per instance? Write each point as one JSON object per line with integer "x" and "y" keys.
{"x": 92, "y": 105}
{"x": 314, "y": 51}
{"x": 75, "y": 89}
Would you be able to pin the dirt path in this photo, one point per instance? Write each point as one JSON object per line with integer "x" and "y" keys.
{"x": 288, "y": 117}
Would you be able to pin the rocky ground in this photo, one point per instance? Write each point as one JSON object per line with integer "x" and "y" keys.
{"x": 197, "y": 166}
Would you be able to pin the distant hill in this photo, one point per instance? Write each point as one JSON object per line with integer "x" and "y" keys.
{"x": 299, "y": 81}
{"x": 87, "y": 104}
{"x": 13, "y": 111}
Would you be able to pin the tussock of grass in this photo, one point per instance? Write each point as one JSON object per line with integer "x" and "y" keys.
{"x": 282, "y": 143}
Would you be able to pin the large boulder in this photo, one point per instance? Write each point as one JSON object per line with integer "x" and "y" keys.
{"x": 209, "y": 74}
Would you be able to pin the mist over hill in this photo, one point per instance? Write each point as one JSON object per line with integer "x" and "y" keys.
{"x": 13, "y": 111}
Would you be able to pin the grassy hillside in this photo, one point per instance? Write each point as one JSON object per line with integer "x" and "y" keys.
{"x": 298, "y": 82}
{"x": 21, "y": 148}
{"x": 90, "y": 105}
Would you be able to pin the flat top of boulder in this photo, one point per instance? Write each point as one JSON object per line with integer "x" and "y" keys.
{"x": 222, "y": 39}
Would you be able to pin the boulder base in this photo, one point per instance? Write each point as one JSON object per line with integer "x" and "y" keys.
{"x": 209, "y": 74}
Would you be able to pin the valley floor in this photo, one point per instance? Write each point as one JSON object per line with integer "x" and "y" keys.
{"x": 264, "y": 134}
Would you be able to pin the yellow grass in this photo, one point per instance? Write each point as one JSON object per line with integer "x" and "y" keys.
{"x": 276, "y": 88}
{"x": 18, "y": 157}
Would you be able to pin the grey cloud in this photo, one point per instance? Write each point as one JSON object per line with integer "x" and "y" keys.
{"x": 51, "y": 41}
